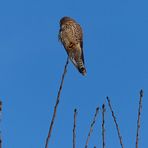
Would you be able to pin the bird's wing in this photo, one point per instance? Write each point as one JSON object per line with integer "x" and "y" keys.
{"x": 74, "y": 61}
{"x": 79, "y": 35}
{"x": 82, "y": 53}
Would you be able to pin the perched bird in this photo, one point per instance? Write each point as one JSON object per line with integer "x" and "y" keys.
{"x": 71, "y": 36}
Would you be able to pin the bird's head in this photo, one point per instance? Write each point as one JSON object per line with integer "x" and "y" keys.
{"x": 66, "y": 19}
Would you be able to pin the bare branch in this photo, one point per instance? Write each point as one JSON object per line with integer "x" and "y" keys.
{"x": 0, "y": 110}
{"x": 74, "y": 129}
{"x": 139, "y": 115}
{"x": 91, "y": 127}
{"x": 56, "y": 105}
{"x": 103, "y": 125}
{"x": 0, "y": 142}
{"x": 0, "y": 121}
{"x": 115, "y": 121}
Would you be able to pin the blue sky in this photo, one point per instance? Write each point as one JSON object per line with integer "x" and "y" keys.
{"x": 32, "y": 61}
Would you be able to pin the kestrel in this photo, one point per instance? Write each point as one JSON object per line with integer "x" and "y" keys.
{"x": 71, "y": 36}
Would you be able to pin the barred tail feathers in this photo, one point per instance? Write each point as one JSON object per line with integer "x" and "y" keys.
{"x": 81, "y": 67}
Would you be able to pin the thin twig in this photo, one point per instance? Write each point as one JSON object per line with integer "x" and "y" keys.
{"x": 0, "y": 110}
{"x": 74, "y": 129}
{"x": 0, "y": 121}
{"x": 0, "y": 142}
{"x": 117, "y": 126}
{"x": 56, "y": 105}
{"x": 91, "y": 127}
{"x": 139, "y": 115}
{"x": 103, "y": 125}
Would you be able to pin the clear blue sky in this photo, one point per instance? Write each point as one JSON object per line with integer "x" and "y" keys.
{"x": 32, "y": 60}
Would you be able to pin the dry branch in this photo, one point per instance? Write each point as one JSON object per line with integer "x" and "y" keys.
{"x": 0, "y": 142}
{"x": 115, "y": 121}
{"x": 0, "y": 121}
{"x": 56, "y": 105}
{"x": 91, "y": 127}
{"x": 103, "y": 125}
{"x": 138, "y": 120}
{"x": 74, "y": 129}
{"x": 0, "y": 110}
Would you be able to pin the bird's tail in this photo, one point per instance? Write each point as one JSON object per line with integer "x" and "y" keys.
{"x": 81, "y": 67}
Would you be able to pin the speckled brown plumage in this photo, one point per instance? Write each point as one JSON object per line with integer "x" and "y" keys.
{"x": 71, "y": 36}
